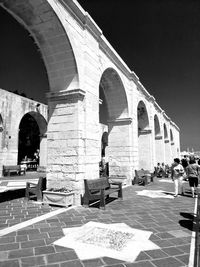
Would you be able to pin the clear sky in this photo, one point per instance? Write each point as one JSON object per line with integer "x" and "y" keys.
{"x": 158, "y": 39}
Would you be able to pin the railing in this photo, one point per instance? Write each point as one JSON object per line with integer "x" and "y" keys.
{"x": 197, "y": 230}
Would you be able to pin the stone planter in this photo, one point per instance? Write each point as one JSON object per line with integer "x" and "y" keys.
{"x": 58, "y": 198}
{"x": 118, "y": 179}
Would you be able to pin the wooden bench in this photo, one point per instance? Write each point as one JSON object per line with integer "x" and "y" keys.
{"x": 143, "y": 177}
{"x": 35, "y": 189}
{"x": 7, "y": 170}
{"x": 99, "y": 189}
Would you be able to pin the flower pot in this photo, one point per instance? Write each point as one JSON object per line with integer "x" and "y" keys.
{"x": 58, "y": 198}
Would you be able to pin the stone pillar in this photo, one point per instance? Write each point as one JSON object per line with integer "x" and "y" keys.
{"x": 144, "y": 150}
{"x": 65, "y": 140}
{"x": 119, "y": 150}
{"x": 168, "y": 157}
{"x": 173, "y": 151}
{"x": 43, "y": 152}
{"x": 1, "y": 150}
{"x": 159, "y": 149}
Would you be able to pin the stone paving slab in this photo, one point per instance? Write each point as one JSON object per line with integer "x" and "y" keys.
{"x": 169, "y": 220}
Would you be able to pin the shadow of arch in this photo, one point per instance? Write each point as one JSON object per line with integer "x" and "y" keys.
{"x": 114, "y": 96}
{"x": 144, "y": 135}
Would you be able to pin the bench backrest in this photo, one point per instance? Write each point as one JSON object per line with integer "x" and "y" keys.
{"x": 140, "y": 173}
{"x": 97, "y": 184}
{"x": 11, "y": 167}
{"x": 42, "y": 183}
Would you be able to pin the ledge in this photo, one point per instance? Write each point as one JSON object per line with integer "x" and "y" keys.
{"x": 75, "y": 93}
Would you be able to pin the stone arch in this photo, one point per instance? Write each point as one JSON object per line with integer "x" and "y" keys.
{"x": 159, "y": 153}
{"x": 41, "y": 21}
{"x": 113, "y": 114}
{"x": 32, "y": 136}
{"x": 144, "y": 137}
{"x": 167, "y": 145}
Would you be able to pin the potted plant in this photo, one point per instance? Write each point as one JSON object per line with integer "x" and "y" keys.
{"x": 60, "y": 197}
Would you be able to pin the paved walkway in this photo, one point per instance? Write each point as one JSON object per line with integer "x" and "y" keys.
{"x": 28, "y": 229}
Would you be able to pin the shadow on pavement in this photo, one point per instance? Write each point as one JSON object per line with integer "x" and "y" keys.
{"x": 10, "y": 195}
{"x": 189, "y": 222}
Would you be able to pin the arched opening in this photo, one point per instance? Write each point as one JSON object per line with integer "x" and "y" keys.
{"x": 173, "y": 149}
{"x": 32, "y": 130}
{"x": 113, "y": 119}
{"x": 28, "y": 80}
{"x": 144, "y": 137}
{"x": 1, "y": 132}
{"x": 167, "y": 146}
{"x": 159, "y": 149}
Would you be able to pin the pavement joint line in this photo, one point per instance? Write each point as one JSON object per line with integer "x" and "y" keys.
{"x": 19, "y": 226}
{"x": 192, "y": 246}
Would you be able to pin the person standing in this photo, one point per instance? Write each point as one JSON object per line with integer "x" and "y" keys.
{"x": 177, "y": 176}
{"x": 184, "y": 162}
{"x": 193, "y": 171}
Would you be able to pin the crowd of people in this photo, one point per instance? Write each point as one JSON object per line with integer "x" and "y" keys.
{"x": 188, "y": 168}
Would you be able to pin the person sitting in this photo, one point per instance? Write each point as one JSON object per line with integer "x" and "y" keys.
{"x": 158, "y": 170}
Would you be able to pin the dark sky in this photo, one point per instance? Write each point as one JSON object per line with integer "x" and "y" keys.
{"x": 158, "y": 39}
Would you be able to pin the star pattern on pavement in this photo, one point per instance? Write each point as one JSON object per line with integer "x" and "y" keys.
{"x": 96, "y": 240}
{"x": 155, "y": 194}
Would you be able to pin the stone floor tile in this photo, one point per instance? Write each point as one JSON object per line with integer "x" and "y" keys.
{"x": 61, "y": 256}
{"x": 142, "y": 256}
{"x": 32, "y": 261}
{"x": 44, "y": 250}
{"x": 183, "y": 258}
{"x": 140, "y": 264}
{"x": 110, "y": 261}
{"x": 11, "y": 263}
{"x": 172, "y": 251}
{"x": 154, "y": 254}
{"x": 93, "y": 262}
{"x": 76, "y": 263}
{"x": 168, "y": 262}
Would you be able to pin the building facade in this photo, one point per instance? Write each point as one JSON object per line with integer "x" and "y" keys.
{"x": 92, "y": 94}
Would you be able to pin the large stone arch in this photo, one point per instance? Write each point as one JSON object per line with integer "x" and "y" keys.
{"x": 113, "y": 113}
{"x": 41, "y": 21}
{"x": 144, "y": 137}
{"x": 159, "y": 149}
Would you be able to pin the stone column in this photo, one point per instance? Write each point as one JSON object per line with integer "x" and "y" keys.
{"x": 119, "y": 150}
{"x": 159, "y": 149}
{"x": 144, "y": 149}
{"x": 65, "y": 140}
{"x": 43, "y": 153}
{"x": 167, "y": 152}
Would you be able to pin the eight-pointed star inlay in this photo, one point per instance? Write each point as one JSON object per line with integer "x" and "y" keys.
{"x": 96, "y": 240}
